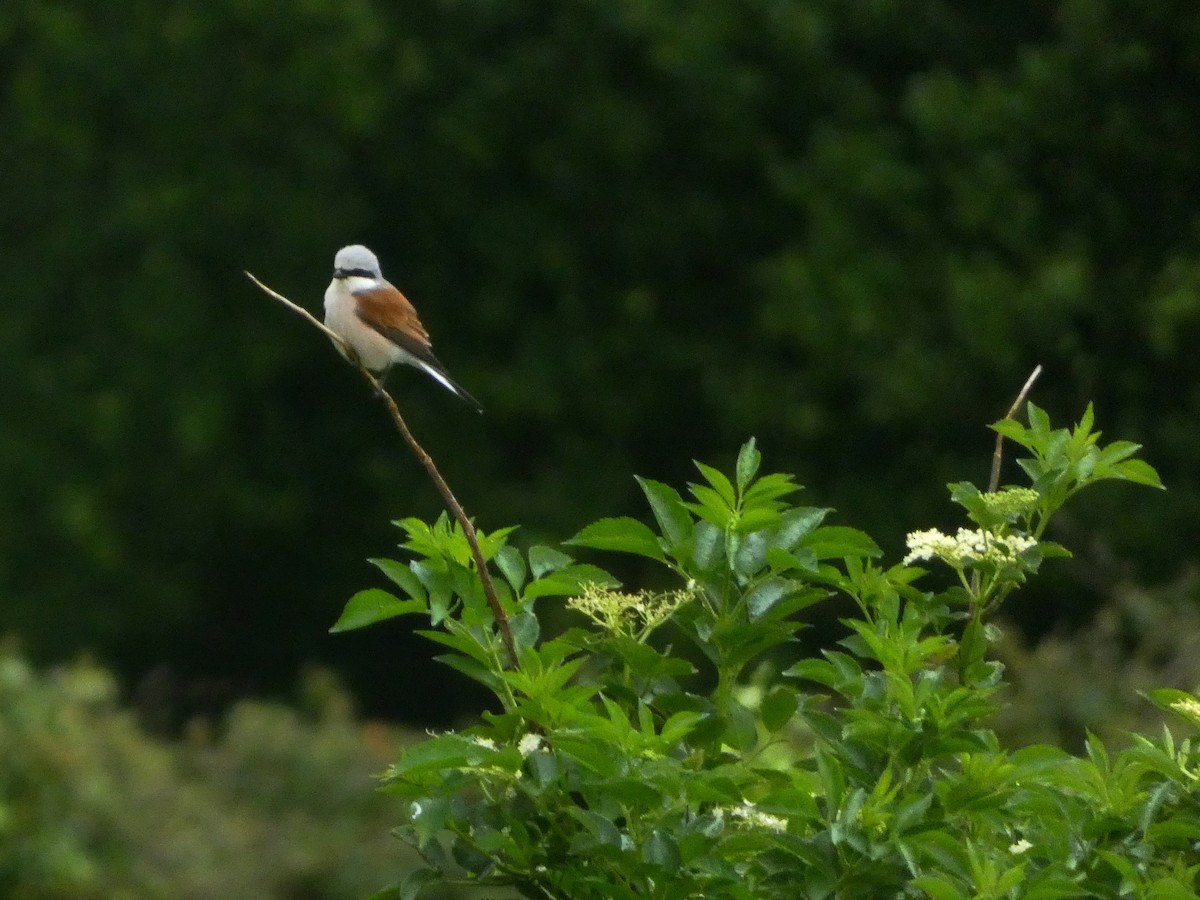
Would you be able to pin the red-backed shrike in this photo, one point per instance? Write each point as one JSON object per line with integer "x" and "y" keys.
{"x": 378, "y": 322}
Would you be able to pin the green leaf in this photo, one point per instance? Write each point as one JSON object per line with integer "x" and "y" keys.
{"x": 512, "y": 566}
{"x": 600, "y": 828}
{"x": 741, "y": 727}
{"x": 750, "y": 555}
{"x": 911, "y": 814}
{"x": 546, "y": 559}
{"x": 374, "y": 605}
{"x": 748, "y": 462}
{"x": 1039, "y": 422}
{"x": 1139, "y": 472}
{"x": 464, "y": 644}
{"x": 711, "y": 505}
{"x": 402, "y": 576}
{"x": 832, "y": 541}
{"x": 719, "y": 483}
{"x": 669, "y": 511}
{"x": 757, "y": 520}
{"x": 661, "y": 851}
{"x": 707, "y": 546}
{"x": 1117, "y": 451}
{"x": 777, "y": 708}
{"x": 525, "y": 628}
{"x": 1176, "y": 702}
{"x": 795, "y": 524}
{"x": 764, "y": 596}
{"x": 939, "y": 888}
{"x": 819, "y": 670}
{"x": 569, "y": 581}
{"x": 472, "y": 669}
{"x": 1014, "y": 431}
{"x": 768, "y": 489}
{"x": 622, "y": 534}
{"x": 416, "y": 882}
{"x": 680, "y": 725}
{"x": 444, "y": 751}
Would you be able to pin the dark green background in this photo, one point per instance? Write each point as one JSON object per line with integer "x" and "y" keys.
{"x": 638, "y": 230}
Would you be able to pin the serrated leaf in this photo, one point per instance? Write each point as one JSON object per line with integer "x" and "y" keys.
{"x": 757, "y": 520}
{"x": 833, "y": 541}
{"x": 714, "y": 515}
{"x": 1013, "y": 430}
{"x": 412, "y": 886}
{"x": 748, "y": 461}
{"x": 719, "y": 482}
{"x": 556, "y": 585}
{"x": 669, "y": 511}
{"x": 462, "y": 643}
{"x": 707, "y": 545}
{"x": 1118, "y": 451}
{"x": 1139, "y": 472}
{"x": 1039, "y": 422}
{"x": 661, "y": 851}
{"x": 445, "y": 751}
{"x": 525, "y": 628}
{"x": 781, "y": 560}
{"x": 472, "y": 669}
{"x": 750, "y": 554}
{"x": 796, "y": 523}
{"x": 777, "y": 708}
{"x": 544, "y": 559}
{"x": 512, "y": 566}
{"x": 769, "y": 489}
{"x": 374, "y": 605}
{"x": 760, "y": 600}
{"x": 939, "y": 888}
{"x": 623, "y": 534}
{"x": 401, "y": 576}
{"x": 680, "y": 725}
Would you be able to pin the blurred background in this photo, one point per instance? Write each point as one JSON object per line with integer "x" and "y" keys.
{"x": 639, "y": 231}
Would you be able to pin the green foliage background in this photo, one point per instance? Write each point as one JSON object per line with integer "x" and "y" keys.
{"x": 638, "y": 231}
{"x": 268, "y": 802}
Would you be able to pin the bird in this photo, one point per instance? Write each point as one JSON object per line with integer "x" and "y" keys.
{"x": 378, "y": 324}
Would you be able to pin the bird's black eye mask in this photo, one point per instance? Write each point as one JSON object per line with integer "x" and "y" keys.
{"x": 346, "y": 273}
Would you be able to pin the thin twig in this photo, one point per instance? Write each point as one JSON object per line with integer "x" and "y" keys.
{"x": 489, "y": 588}
{"x": 994, "y": 482}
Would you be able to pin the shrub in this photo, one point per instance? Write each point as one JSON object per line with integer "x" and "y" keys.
{"x": 615, "y": 766}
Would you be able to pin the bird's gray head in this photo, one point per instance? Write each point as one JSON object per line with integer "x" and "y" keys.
{"x": 356, "y": 260}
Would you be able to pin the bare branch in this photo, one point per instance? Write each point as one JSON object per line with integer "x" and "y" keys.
{"x": 994, "y": 482}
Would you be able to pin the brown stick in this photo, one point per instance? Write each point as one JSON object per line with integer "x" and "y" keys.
{"x": 994, "y": 483}
{"x": 489, "y": 589}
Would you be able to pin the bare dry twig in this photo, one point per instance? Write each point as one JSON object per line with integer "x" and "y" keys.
{"x": 489, "y": 588}
{"x": 994, "y": 482}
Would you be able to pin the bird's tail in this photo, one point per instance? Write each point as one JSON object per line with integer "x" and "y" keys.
{"x": 439, "y": 375}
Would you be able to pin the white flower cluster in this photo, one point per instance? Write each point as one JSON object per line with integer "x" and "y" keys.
{"x": 749, "y": 814}
{"x": 529, "y": 743}
{"x": 1189, "y": 706}
{"x": 632, "y": 614}
{"x": 1013, "y": 501}
{"x": 966, "y": 547}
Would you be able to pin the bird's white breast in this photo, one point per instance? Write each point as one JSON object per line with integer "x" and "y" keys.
{"x": 341, "y": 317}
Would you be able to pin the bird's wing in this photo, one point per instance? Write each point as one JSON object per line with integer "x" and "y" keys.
{"x": 388, "y": 311}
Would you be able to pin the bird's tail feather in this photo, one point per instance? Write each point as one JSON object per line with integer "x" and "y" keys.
{"x": 451, "y": 385}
